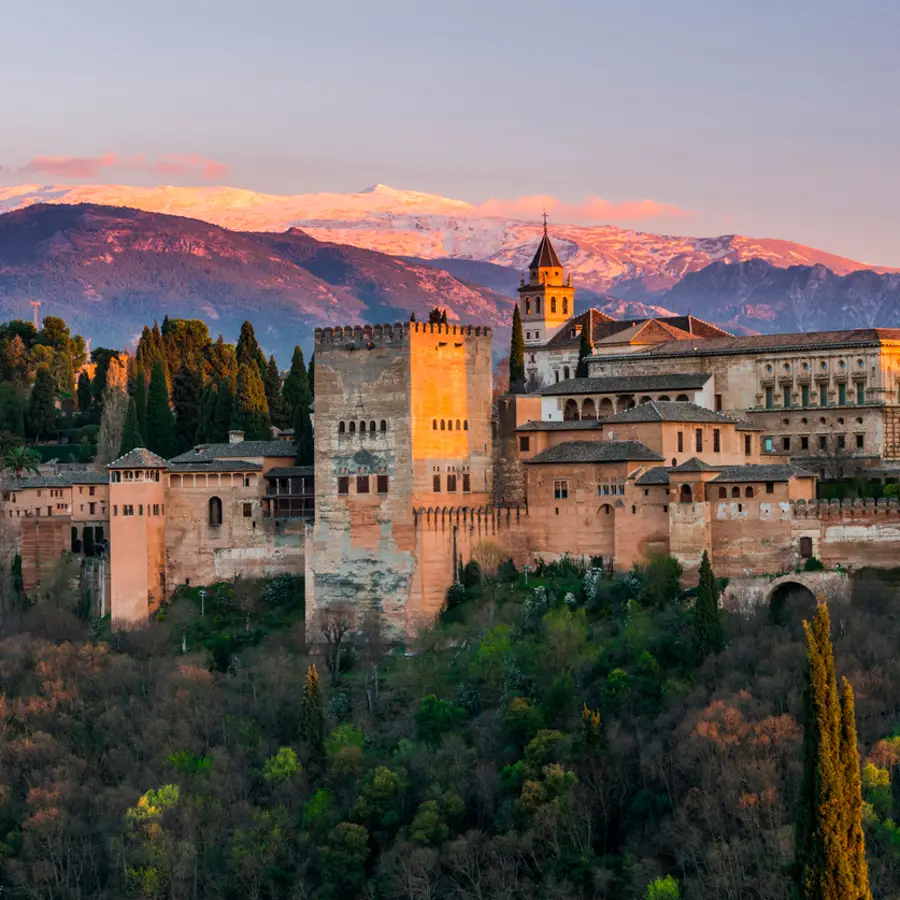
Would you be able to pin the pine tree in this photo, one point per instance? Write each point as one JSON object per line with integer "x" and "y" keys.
{"x": 296, "y": 385}
{"x": 42, "y": 404}
{"x": 443, "y": 317}
{"x": 131, "y": 434}
{"x": 517, "y": 354}
{"x": 224, "y": 408}
{"x": 84, "y": 392}
{"x": 63, "y": 370}
{"x": 250, "y": 411}
{"x": 161, "y": 438}
{"x": 248, "y": 349}
{"x": 187, "y": 396}
{"x": 707, "y": 624}
{"x": 828, "y": 841}
{"x": 585, "y": 348}
{"x": 312, "y": 716}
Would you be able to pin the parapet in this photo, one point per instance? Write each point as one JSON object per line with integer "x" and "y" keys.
{"x": 459, "y": 330}
{"x": 359, "y": 337}
{"x": 848, "y": 509}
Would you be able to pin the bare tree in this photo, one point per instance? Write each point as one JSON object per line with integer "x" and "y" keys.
{"x": 115, "y": 405}
{"x": 334, "y": 623}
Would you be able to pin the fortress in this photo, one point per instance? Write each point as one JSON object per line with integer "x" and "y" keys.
{"x": 682, "y": 440}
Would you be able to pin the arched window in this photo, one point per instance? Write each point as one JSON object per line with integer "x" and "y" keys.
{"x": 749, "y": 492}
{"x": 664, "y": 399}
{"x": 372, "y": 426}
{"x": 353, "y": 428}
{"x": 588, "y": 409}
{"x": 434, "y": 424}
{"x": 723, "y": 493}
{"x": 383, "y": 425}
{"x": 465, "y": 424}
{"x": 565, "y": 307}
{"x": 570, "y": 413}
{"x": 553, "y": 304}
{"x": 215, "y": 511}
{"x": 645, "y": 399}
{"x": 565, "y": 373}
{"x": 687, "y": 495}
{"x": 682, "y": 398}
{"x": 527, "y": 306}
{"x": 362, "y": 427}
{"x": 457, "y": 424}
{"x": 442, "y": 425}
{"x": 735, "y": 492}
{"x": 537, "y": 306}
{"x": 341, "y": 428}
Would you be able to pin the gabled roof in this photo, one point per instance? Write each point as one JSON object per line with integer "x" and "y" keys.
{"x": 695, "y": 465}
{"x": 62, "y": 479}
{"x": 656, "y": 475}
{"x": 595, "y": 452}
{"x": 774, "y": 472}
{"x": 240, "y": 450}
{"x": 627, "y": 384}
{"x": 599, "y": 323}
{"x": 669, "y": 411}
{"x": 567, "y": 425}
{"x": 650, "y": 331}
{"x": 139, "y": 458}
{"x": 216, "y": 465}
{"x": 545, "y": 256}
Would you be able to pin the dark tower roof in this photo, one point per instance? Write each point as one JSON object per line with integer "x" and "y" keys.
{"x": 545, "y": 256}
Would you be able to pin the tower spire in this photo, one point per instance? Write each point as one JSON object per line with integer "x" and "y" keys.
{"x": 545, "y": 221}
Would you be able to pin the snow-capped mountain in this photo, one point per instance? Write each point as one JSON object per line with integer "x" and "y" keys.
{"x": 631, "y": 264}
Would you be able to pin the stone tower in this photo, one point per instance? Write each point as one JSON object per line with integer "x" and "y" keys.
{"x": 547, "y": 300}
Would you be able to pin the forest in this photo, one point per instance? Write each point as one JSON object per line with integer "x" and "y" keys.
{"x": 559, "y": 733}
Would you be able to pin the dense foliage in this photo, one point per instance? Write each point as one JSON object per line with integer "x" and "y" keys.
{"x": 558, "y": 739}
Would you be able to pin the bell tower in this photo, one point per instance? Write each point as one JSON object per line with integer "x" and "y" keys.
{"x": 547, "y": 300}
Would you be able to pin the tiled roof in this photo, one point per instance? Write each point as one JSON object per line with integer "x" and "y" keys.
{"x": 216, "y": 465}
{"x": 627, "y": 384}
{"x": 669, "y": 411}
{"x": 695, "y": 465}
{"x": 241, "y": 450}
{"x": 656, "y": 475}
{"x": 650, "y": 331}
{"x": 139, "y": 458}
{"x": 600, "y": 325}
{"x": 545, "y": 256}
{"x": 579, "y": 425}
{"x": 774, "y": 472}
{"x": 63, "y": 479}
{"x": 291, "y": 472}
{"x": 596, "y": 452}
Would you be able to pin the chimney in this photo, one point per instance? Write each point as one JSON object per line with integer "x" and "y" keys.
{"x": 235, "y": 437}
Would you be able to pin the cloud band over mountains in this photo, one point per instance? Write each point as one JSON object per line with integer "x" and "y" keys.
{"x": 591, "y": 209}
{"x": 170, "y": 164}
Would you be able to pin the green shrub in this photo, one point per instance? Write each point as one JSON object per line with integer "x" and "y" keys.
{"x": 813, "y": 564}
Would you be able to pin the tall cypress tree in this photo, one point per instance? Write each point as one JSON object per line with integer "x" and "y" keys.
{"x": 248, "y": 350}
{"x": 41, "y": 415}
{"x": 828, "y": 841}
{"x": 206, "y": 425}
{"x": 224, "y": 408}
{"x": 296, "y": 385}
{"x": 84, "y": 392}
{"x": 303, "y": 435}
{"x": 312, "y": 714}
{"x": 517, "y": 354}
{"x": 250, "y": 411}
{"x": 585, "y": 348}
{"x": 707, "y": 624}
{"x": 161, "y": 438}
{"x": 311, "y": 376}
{"x": 131, "y": 434}
{"x": 139, "y": 392}
{"x": 187, "y": 396}
{"x": 272, "y": 382}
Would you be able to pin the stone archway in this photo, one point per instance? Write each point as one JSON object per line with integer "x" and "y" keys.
{"x": 791, "y": 599}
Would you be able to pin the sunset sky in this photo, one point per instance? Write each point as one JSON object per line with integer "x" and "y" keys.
{"x": 767, "y": 118}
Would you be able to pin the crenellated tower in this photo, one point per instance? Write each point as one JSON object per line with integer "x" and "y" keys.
{"x": 546, "y": 301}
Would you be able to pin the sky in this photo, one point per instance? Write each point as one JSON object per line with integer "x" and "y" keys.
{"x": 768, "y": 119}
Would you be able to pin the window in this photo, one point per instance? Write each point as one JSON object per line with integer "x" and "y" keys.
{"x": 770, "y": 487}
{"x": 91, "y": 508}
{"x": 565, "y": 373}
{"x": 381, "y": 484}
{"x": 861, "y": 393}
{"x": 140, "y": 509}
{"x": 859, "y": 445}
{"x": 718, "y": 403}
{"x": 723, "y": 493}
{"x": 436, "y": 484}
{"x": 842, "y": 394}
{"x": 457, "y": 424}
{"x": 560, "y": 490}
{"x": 343, "y": 485}
{"x": 353, "y": 428}
{"x": 681, "y": 442}
{"x": 524, "y": 443}
{"x": 115, "y": 510}
{"x": 770, "y": 399}
{"x": 362, "y": 427}
{"x": 565, "y": 307}
{"x": 434, "y": 424}
{"x": 806, "y": 547}
{"x": 823, "y": 395}
{"x": 553, "y": 304}
{"x": 467, "y": 483}
{"x": 443, "y": 425}
{"x": 372, "y": 426}
{"x": 747, "y": 445}
{"x": 451, "y": 484}
{"x": 687, "y": 494}
{"x": 465, "y": 424}
{"x": 155, "y": 509}
{"x": 804, "y": 443}
{"x": 91, "y": 491}
{"x": 215, "y": 511}
{"x": 786, "y": 444}
{"x": 841, "y": 442}
{"x": 698, "y": 440}
{"x": 823, "y": 442}
{"x": 748, "y": 493}
{"x": 362, "y": 484}
{"x": 383, "y": 426}
{"x": 787, "y": 398}
{"x": 717, "y": 440}
{"x": 527, "y": 333}
{"x": 804, "y": 395}
{"x": 527, "y": 305}
{"x": 247, "y": 509}
{"x": 342, "y": 428}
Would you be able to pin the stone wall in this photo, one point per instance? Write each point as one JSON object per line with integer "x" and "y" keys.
{"x": 43, "y": 542}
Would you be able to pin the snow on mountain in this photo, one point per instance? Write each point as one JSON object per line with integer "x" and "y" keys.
{"x": 604, "y": 258}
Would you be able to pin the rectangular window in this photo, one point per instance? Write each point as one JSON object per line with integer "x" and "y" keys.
{"x": 451, "y": 484}
{"x": 823, "y": 395}
{"x": 804, "y": 395}
{"x": 524, "y": 443}
{"x": 155, "y": 509}
{"x": 699, "y": 440}
{"x": 861, "y": 393}
{"x": 842, "y": 394}
{"x": 248, "y": 510}
{"x": 681, "y": 442}
{"x": 717, "y": 440}
{"x": 115, "y": 510}
{"x": 768, "y": 444}
{"x": 343, "y": 485}
{"x": 381, "y": 484}
{"x": 770, "y": 487}
{"x": 467, "y": 483}
{"x": 560, "y": 490}
{"x": 91, "y": 491}
{"x": 747, "y": 444}
{"x": 787, "y": 398}
{"x": 436, "y": 484}
{"x": 806, "y": 547}
{"x": 859, "y": 442}
{"x": 804, "y": 443}
{"x": 91, "y": 508}
{"x": 841, "y": 442}
{"x": 718, "y": 403}
{"x": 823, "y": 442}
{"x": 362, "y": 484}
{"x": 770, "y": 398}
{"x": 786, "y": 444}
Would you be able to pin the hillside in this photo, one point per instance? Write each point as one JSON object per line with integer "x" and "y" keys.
{"x": 107, "y": 271}
{"x": 630, "y": 264}
{"x": 757, "y": 295}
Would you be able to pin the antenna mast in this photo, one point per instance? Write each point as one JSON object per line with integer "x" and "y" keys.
{"x": 36, "y": 304}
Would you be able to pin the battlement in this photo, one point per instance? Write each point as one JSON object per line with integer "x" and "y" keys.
{"x": 358, "y": 337}
{"x": 848, "y": 510}
{"x": 480, "y": 517}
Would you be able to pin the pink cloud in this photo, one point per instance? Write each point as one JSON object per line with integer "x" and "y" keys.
{"x": 591, "y": 209}
{"x": 92, "y": 166}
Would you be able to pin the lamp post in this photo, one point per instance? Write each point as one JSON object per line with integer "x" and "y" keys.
{"x": 202, "y": 603}
{"x": 525, "y": 570}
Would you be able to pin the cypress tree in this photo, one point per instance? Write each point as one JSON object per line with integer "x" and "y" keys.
{"x": 856, "y": 841}
{"x": 250, "y": 411}
{"x": 84, "y": 392}
{"x": 131, "y": 434}
{"x": 248, "y": 349}
{"x": 303, "y": 435}
{"x": 139, "y": 392}
{"x": 187, "y": 396}
{"x": 311, "y": 376}
{"x": 443, "y": 317}
{"x": 707, "y": 624}
{"x": 224, "y": 408}
{"x": 296, "y": 385}
{"x": 585, "y": 348}
{"x": 517, "y": 354}
{"x": 272, "y": 382}
{"x": 42, "y": 404}
{"x": 206, "y": 426}
{"x": 161, "y": 438}
{"x": 312, "y": 715}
